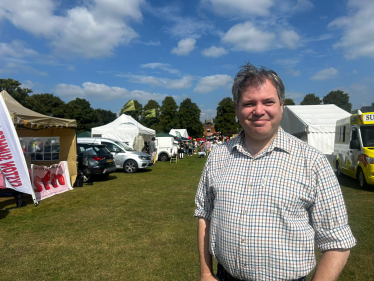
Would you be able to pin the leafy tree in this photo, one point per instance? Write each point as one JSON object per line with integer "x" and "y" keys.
{"x": 46, "y": 104}
{"x": 189, "y": 118}
{"x": 289, "y": 102}
{"x": 81, "y": 110}
{"x": 151, "y": 122}
{"x": 105, "y": 116}
{"x": 169, "y": 115}
{"x": 13, "y": 88}
{"x": 311, "y": 99}
{"x": 133, "y": 113}
{"x": 225, "y": 120}
{"x": 339, "y": 98}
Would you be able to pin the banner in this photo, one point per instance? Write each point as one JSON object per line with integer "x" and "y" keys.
{"x": 49, "y": 181}
{"x": 14, "y": 172}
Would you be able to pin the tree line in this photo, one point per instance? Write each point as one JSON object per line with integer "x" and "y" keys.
{"x": 166, "y": 116}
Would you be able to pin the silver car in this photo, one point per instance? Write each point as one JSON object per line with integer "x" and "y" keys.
{"x": 125, "y": 157}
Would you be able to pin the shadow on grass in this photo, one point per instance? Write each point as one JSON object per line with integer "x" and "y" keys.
{"x": 352, "y": 183}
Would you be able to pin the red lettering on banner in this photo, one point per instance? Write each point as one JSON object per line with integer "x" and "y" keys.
{"x": 7, "y": 165}
{"x": 6, "y": 157}
{"x": 8, "y": 170}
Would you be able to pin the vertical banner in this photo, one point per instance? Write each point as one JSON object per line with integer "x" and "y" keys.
{"x": 13, "y": 166}
{"x": 49, "y": 181}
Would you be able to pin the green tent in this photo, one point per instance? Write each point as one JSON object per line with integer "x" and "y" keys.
{"x": 164, "y": 135}
{"x": 84, "y": 134}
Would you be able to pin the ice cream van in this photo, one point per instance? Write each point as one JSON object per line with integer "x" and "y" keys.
{"x": 354, "y": 146}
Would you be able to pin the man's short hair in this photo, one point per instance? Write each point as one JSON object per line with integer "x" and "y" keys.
{"x": 250, "y": 75}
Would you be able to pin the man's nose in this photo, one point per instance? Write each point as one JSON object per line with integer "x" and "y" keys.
{"x": 259, "y": 109}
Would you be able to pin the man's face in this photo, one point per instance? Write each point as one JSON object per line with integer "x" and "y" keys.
{"x": 259, "y": 112}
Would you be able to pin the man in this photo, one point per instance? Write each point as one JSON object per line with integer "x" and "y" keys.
{"x": 265, "y": 197}
{"x": 152, "y": 148}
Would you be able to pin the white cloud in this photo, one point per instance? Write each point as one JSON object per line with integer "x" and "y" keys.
{"x": 183, "y": 83}
{"x": 92, "y": 31}
{"x": 15, "y": 67}
{"x": 159, "y": 65}
{"x": 71, "y": 68}
{"x": 290, "y": 39}
{"x": 214, "y": 52}
{"x": 247, "y": 37}
{"x": 241, "y": 7}
{"x": 207, "y": 114}
{"x": 27, "y": 84}
{"x": 325, "y": 74}
{"x": 185, "y": 46}
{"x": 16, "y": 49}
{"x": 213, "y": 82}
{"x": 294, "y": 95}
{"x": 358, "y": 29}
{"x": 102, "y": 91}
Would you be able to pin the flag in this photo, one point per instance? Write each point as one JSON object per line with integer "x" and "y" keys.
{"x": 178, "y": 134}
{"x": 129, "y": 106}
{"x": 150, "y": 113}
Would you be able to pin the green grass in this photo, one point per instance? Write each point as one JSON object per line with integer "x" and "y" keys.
{"x": 135, "y": 227}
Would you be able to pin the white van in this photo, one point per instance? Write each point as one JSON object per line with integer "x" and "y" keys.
{"x": 165, "y": 146}
{"x": 125, "y": 157}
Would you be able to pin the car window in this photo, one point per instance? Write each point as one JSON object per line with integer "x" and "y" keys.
{"x": 109, "y": 146}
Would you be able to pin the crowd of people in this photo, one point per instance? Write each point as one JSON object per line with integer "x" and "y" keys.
{"x": 202, "y": 148}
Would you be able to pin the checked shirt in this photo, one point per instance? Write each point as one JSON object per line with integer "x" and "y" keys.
{"x": 266, "y": 213}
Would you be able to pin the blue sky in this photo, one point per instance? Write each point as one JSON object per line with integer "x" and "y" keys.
{"x": 110, "y": 51}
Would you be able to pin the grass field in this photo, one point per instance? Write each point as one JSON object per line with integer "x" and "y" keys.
{"x": 135, "y": 227}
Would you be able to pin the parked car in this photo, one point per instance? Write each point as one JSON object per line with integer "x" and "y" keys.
{"x": 126, "y": 158}
{"x": 94, "y": 160}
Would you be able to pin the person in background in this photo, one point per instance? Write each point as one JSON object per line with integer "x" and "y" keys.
{"x": 152, "y": 148}
{"x": 181, "y": 150}
{"x": 266, "y": 199}
{"x": 190, "y": 148}
{"x": 207, "y": 147}
{"x": 187, "y": 148}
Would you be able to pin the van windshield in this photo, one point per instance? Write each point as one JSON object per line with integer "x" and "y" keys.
{"x": 367, "y": 134}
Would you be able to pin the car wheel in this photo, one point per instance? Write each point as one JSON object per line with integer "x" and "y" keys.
{"x": 130, "y": 166}
{"x": 361, "y": 178}
{"x": 338, "y": 172}
{"x": 164, "y": 157}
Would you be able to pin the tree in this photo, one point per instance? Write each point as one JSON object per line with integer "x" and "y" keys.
{"x": 339, "y": 98}
{"x": 289, "y": 102}
{"x": 169, "y": 115}
{"x": 81, "y": 110}
{"x": 46, "y": 104}
{"x": 311, "y": 99}
{"x": 151, "y": 122}
{"x": 225, "y": 120}
{"x": 105, "y": 116}
{"x": 13, "y": 88}
{"x": 133, "y": 113}
{"x": 189, "y": 118}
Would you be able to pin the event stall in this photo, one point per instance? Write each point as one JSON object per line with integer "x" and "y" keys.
{"x": 314, "y": 124}
{"x": 123, "y": 129}
{"x": 45, "y": 140}
{"x": 180, "y": 133}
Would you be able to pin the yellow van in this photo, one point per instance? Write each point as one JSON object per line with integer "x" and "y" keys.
{"x": 354, "y": 147}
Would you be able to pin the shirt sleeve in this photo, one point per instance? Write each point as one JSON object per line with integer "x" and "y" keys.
{"x": 204, "y": 199}
{"x": 328, "y": 214}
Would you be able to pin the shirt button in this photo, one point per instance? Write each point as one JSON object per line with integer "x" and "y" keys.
{"x": 249, "y": 185}
{"x": 243, "y": 240}
{"x": 245, "y": 212}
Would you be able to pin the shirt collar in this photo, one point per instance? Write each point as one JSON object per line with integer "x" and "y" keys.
{"x": 280, "y": 141}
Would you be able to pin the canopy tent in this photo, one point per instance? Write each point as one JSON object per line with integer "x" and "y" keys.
{"x": 123, "y": 129}
{"x": 84, "y": 134}
{"x": 179, "y": 133}
{"x": 314, "y": 124}
{"x": 32, "y": 124}
{"x": 164, "y": 135}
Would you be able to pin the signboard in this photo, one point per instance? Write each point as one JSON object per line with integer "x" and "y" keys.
{"x": 49, "y": 181}
{"x": 368, "y": 118}
{"x": 14, "y": 173}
